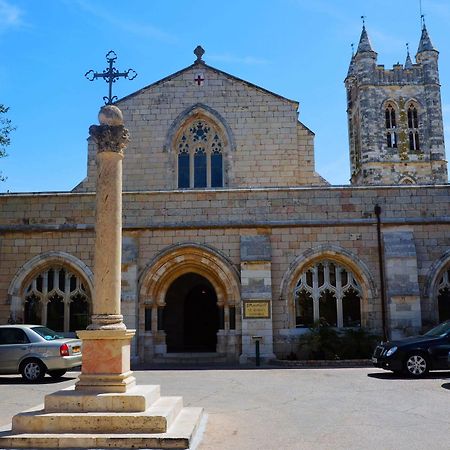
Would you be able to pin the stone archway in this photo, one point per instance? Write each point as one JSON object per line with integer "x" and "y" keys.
{"x": 191, "y": 315}
{"x": 160, "y": 275}
{"x": 334, "y": 254}
{"x": 53, "y": 289}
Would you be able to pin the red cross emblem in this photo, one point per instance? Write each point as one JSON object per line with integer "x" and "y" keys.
{"x": 199, "y": 79}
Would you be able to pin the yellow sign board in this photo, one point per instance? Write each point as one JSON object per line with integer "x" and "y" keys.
{"x": 257, "y": 309}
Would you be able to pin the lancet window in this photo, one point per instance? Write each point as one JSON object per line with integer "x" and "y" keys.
{"x": 328, "y": 291}
{"x": 391, "y": 126}
{"x": 200, "y": 156}
{"x": 413, "y": 128}
{"x": 444, "y": 296}
{"x": 57, "y": 299}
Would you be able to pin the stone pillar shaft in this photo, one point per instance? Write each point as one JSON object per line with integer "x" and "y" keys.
{"x": 108, "y": 233}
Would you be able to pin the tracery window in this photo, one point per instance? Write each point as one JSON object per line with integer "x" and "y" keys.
{"x": 444, "y": 296}
{"x": 200, "y": 156}
{"x": 391, "y": 126}
{"x": 413, "y": 128}
{"x": 57, "y": 299}
{"x": 330, "y": 292}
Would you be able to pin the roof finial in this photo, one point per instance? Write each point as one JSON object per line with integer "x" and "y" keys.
{"x": 363, "y": 18}
{"x": 408, "y": 62}
{"x": 199, "y": 52}
{"x": 353, "y": 49}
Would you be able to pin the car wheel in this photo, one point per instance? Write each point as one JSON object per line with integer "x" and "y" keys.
{"x": 57, "y": 373}
{"x": 32, "y": 370}
{"x": 416, "y": 365}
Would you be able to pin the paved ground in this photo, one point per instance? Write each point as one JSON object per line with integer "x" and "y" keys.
{"x": 281, "y": 409}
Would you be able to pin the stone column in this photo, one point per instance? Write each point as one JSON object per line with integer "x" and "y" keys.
{"x": 256, "y": 294}
{"x": 106, "y": 342}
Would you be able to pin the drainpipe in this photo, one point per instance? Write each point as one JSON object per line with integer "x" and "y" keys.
{"x": 377, "y": 211}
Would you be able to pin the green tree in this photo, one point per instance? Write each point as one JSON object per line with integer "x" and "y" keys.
{"x": 5, "y": 130}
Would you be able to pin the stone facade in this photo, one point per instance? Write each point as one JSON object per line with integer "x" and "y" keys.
{"x": 268, "y": 222}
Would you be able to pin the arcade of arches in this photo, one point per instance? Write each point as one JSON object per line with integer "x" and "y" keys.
{"x": 195, "y": 312}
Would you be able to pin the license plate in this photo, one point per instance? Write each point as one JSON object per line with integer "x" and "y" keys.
{"x": 374, "y": 360}
{"x": 76, "y": 349}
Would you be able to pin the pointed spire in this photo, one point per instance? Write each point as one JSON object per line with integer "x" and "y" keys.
{"x": 408, "y": 62}
{"x": 425, "y": 43}
{"x": 351, "y": 67}
{"x": 364, "y": 41}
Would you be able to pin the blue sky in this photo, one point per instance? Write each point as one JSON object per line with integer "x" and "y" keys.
{"x": 297, "y": 48}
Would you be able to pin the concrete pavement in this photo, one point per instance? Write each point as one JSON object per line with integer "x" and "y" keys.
{"x": 268, "y": 409}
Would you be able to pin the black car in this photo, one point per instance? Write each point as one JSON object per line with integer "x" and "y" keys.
{"x": 416, "y": 355}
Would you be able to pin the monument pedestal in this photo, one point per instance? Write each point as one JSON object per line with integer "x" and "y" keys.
{"x": 139, "y": 418}
{"x": 106, "y": 361}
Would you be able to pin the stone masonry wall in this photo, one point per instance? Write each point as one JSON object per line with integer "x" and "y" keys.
{"x": 269, "y": 151}
{"x": 295, "y": 220}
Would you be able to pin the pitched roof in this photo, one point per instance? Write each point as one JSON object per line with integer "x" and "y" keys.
{"x": 202, "y": 64}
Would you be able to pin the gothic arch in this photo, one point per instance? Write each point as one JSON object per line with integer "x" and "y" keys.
{"x": 176, "y": 137}
{"x": 199, "y": 110}
{"x": 40, "y": 262}
{"x": 334, "y": 253}
{"x": 385, "y": 103}
{"x": 180, "y": 259}
{"x": 407, "y": 179}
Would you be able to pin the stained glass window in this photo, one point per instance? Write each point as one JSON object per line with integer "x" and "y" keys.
{"x": 200, "y": 156}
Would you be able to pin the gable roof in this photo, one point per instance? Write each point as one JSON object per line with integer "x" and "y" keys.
{"x": 221, "y": 72}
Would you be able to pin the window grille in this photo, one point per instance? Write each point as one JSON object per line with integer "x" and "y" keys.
{"x": 329, "y": 292}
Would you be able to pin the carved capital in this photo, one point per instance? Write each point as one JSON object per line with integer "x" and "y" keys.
{"x": 110, "y": 138}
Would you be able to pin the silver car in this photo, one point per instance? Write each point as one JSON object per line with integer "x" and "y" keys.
{"x": 34, "y": 350}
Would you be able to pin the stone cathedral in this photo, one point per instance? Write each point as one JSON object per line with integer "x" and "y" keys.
{"x": 228, "y": 231}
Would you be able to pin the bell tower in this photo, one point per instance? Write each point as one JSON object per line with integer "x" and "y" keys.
{"x": 396, "y": 133}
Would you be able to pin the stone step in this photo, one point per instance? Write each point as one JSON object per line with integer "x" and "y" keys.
{"x": 179, "y": 436}
{"x": 190, "y": 358}
{"x": 155, "y": 419}
{"x": 136, "y": 399}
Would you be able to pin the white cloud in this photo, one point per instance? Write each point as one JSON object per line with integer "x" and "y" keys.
{"x": 229, "y": 58}
{"x": 10, "y": 15}
{"x": 140, "y": 29}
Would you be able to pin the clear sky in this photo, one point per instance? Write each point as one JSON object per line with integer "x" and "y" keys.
{"x": 297, "y": 48}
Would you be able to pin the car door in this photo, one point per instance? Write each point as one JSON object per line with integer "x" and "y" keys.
{"x": 14, "y": 345}
{"x": 440, "y": 353}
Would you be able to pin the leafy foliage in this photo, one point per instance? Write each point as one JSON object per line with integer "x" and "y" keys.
{"x": 5, "y": 130}
{"x": 325, "y": 342}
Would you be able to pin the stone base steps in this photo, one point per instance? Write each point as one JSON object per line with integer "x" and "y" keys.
{"x": 138, "y": 418}
{"x": 179, "y": 436}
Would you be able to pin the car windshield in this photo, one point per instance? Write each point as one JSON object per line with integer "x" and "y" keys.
{"x": 440, "y": 330}
{"x": 47, "y": 334}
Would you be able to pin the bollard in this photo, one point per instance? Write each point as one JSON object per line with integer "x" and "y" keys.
{"x": 257, "y": 339}
{"x": 257, "y": 359}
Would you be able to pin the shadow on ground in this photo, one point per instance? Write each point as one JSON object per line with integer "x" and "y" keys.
{"x": 393, "y": 376}
{"x": 46, "y": 380}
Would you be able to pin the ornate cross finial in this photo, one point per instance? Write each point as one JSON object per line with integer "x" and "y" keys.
{"x": 110, "y": 75}
{"x": 363, "y": 18}
{"x": 199, "y": 52}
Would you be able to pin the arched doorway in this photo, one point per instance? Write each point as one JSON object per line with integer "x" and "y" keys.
{"x": 191, "y": 315}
